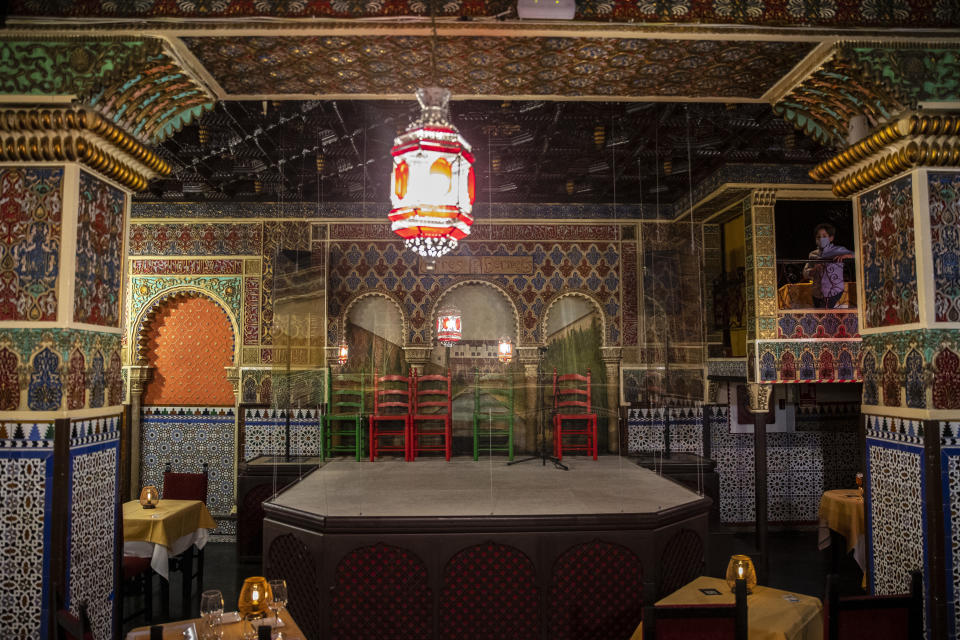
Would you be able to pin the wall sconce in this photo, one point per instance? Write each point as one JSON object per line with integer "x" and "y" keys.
{"x": 741, "y": 567}
{"x": 505, "y": 350}
{"x": 343, "y": 352}
{"x": 149, "y": 497}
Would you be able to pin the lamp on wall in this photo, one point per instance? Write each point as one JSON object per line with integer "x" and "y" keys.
{"x": 343, "y": 352}
{"x": 505, "y": 350}
{"x": 448, "y": 326}
{"x": 741, "y": 567}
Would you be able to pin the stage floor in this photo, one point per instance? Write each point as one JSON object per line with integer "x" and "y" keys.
{"x": 431, "y": 487}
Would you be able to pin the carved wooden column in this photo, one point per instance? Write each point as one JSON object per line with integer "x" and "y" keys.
{"x": 611, "y": 361}
{"x": 138, "y": 377}
{"x": 759, "y": 406}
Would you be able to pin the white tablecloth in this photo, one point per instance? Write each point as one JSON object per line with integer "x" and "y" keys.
{"x": 160, "y": 555}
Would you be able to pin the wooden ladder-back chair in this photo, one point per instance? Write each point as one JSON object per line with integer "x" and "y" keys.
{"x": 431, "y": 405}
{"x": 862, "y": 617}
{"x": 698, "y": 621}
{"x": 493, "y": 417}
{"x": 187, "y": 486}
{"x": 391, "y": 415}
{"x": 573, "y": 416}
{"x": 342, "y": 425}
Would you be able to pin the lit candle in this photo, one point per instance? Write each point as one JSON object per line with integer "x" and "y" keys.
{"x": 740, "y": 571}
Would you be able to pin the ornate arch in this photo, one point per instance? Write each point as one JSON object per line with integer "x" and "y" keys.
{"x": 596, "y": 303}
{"x": 342, "y": 323}
{"x": 503, "y": 292}
{"x": 147, "y": 314}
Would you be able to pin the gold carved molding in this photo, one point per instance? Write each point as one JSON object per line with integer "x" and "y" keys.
{"x": 912, "y": 141}
{"x": 759, "y": 397}
{"x": 78, "y": 135}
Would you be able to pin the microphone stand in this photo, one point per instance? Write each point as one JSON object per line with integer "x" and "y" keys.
{"x": 541, "y": 453}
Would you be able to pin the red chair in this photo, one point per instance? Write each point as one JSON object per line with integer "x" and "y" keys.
{"x": 187, "y": 486}
{"x": 862, "y": 617}
{"x": 571, "y": 406}
{"x": 431, "y": 404}
{"x": 70, "y": 626}
{"x": 698, "y": 622}
{"x": 391, "y": 415}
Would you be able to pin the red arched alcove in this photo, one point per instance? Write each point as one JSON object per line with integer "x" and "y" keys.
{"x": 189, "y": 343}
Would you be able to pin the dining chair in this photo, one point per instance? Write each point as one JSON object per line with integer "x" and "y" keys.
{"x": 431, "y": 405}
{"x": 493, "y": 397}
{"x": 872, "y": 617}
{"x": 187, "y": 486}
{"x": 390, "y": 420}
{"x": 698, "y": 621}
{"x": 572, "y": 406}
{"x": 72, "y": 626}
{"x": 136, "y": 578}
{"x": 342, "y": 424}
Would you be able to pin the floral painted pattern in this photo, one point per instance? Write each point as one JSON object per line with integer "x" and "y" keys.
{"x": 46, "y": 385}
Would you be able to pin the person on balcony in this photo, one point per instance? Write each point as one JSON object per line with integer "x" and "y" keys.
{"x": 827, "y": 277}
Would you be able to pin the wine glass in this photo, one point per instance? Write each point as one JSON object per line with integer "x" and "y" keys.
{"x": 279, "y": 590}
{"x": 211, "y": 612}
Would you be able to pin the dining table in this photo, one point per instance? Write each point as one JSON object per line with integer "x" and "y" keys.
{"x": 232, "y": 628}
{"x": 772, "y": 614}
{"x": 841, "y": 510}
{"x": 168, "y": 530}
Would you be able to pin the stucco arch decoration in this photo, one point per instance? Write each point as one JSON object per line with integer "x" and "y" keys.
{"x": 542, "y": 328}
{"x": 486, "y": 283}
{"x": 345, "y": 314}
{"x": 141, "y": 328}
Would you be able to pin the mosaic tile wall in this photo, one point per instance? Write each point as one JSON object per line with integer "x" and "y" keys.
{"x": 888, "y": 255}
{"x": 43, "y": 356}
{"x": 26, "y": 514}
{"x": 945, "y": 244}
{"x": 808, "y": 360}
{"x": 31, "y": 199}
{"x": 801, "y": 465}
{"x": 918, "y": 369}
{"x": 94, "y": 500}
{"x": 99, "y": 252}
{"x": 265, "y": 432}
{"x": 950, "y": 480}
{"x": 187, "y": 437}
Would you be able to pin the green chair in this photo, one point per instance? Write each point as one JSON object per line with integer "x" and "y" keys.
{"x": 342, "y": 424}
{"x": 493, "y": 413}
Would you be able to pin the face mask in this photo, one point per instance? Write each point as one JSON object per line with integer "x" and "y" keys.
{"x": 823, "y": 242}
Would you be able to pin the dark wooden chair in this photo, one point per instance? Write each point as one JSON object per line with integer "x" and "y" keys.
{"x": 573, "y": 415}
{"x": 136, "y": 577}
{"x": 391, "y": 416}
{"x": 72, "y": 626}
{"x": 431, "y": 405}
{"x": 187, "y": 486}
{"x": 872, "y": 617}
{"x": 698, "y": 622}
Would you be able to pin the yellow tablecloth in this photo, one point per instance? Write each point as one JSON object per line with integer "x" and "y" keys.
{"x": 232, "y": 631}
{"x": 800, "y": 296}
{"x": 772, "y": 614}
{"x": 842, "y": 511}
{"x": 170, "y": 521}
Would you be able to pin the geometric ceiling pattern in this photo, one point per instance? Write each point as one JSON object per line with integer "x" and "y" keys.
{"x": 836, "y": 13}
{"x": 497, "y": 66}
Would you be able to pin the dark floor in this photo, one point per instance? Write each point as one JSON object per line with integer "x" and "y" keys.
{"x": 796, "y": 565}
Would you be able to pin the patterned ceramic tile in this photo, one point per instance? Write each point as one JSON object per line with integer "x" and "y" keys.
{"x": 96, "y": 298}
{"x": 31, "y": 202}
{"x": 950, "y": 457}
{"x": 187, "y": 437}
{"x": 945, "y": 243}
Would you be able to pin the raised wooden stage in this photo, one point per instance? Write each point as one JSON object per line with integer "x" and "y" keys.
{"x": 393, "y": 549}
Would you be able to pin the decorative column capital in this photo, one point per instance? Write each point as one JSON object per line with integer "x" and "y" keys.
{"x": 139, "y": 376}
{"x": 610, "y": 355}
{"x": 233, "y": 377}
{"x": 759, "y": 397}
{"x": 528, "y": 355}
{"x": 417, "y": 355}
{"x": 764, "y": 197}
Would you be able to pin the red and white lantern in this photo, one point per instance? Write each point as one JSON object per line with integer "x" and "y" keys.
{"x": 505, "y": 350}
{"x": 448, "y": 326}
{"x": 432, "y": 187}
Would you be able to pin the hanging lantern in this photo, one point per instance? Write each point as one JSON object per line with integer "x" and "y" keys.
{"x": 505, "y": 350}
{"x": 448, "y": 326}
{"x": 343, "y": 352}
{"x": 432, "y": 187}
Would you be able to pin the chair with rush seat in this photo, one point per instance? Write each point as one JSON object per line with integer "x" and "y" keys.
{"x": 574, "y": 423}
{"x": 391, "y": 416}
{"x": 493, "y": 417}
{"x": 342, "y": 424}
{"x": 431, "y": 405}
